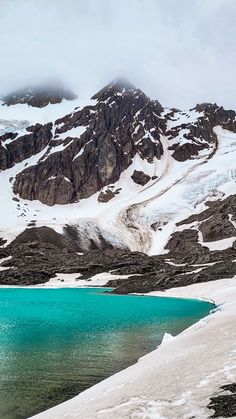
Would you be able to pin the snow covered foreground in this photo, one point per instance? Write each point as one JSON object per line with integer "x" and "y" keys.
{"x": 177, "y": 379}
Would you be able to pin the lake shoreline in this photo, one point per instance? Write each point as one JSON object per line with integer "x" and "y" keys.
{"x": 152, "y": 385}
{"x": 73, "y": 338}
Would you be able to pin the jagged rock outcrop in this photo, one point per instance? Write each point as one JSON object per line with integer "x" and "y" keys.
{"x": 87, "y": 152}
{"x": 106, "y": 195}
{"x": 217, "y": 115}
{"x": 198, "y": 135}
{"x": 15, "y": 149}
{"x": 91, "y": 147}
{"x": 40, "y": 96}
{"x": 39, "y": 253}
{"x": 224, "y": 403}
{"x": 217, "y": 221}
{"x": 140, "y": 178}
{"x": 122, "y": 123}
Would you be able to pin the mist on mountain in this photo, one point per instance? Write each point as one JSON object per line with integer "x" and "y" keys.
{"x": 178, "y": 52}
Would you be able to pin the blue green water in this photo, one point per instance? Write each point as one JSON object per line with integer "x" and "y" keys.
{"x": 55, "y": 343}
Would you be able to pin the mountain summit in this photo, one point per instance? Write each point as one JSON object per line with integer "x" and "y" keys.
{"x": 123, "y": 174}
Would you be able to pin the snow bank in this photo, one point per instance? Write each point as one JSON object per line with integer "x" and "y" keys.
{"x": 177, "y": 379}
{"x": 220, "y": 244}
{"x": 62, "y": 280}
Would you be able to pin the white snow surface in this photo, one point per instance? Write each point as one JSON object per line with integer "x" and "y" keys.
{"x": 220, "y": 244}
{"x": 73, "y": 133}
{"x": 178, "y": 378}
{"x": 179, "y": 187}
{"x": 49, "y": 113}
{"x": 73, "y": 280}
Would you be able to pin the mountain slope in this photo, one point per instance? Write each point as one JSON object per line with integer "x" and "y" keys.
{"x": 121, "y": 174}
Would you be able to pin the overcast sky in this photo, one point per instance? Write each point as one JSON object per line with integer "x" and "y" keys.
{"x": 178, "y": 51}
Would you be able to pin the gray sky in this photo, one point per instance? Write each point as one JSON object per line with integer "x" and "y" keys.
{"x": 178, "y": 51}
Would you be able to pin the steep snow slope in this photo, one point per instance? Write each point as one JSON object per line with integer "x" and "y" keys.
{"x": 109, "y": 216}
{"x": 187, "y": 192}
{"x": 138, "y": 217}
{"x": 178, "y": 190}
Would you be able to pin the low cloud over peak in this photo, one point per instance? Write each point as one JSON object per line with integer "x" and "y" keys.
{"x": 178, "y": 52}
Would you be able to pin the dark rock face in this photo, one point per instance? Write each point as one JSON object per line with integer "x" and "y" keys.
{"x": 4, "y": 253}
{"x": 216, "y": 222}
{"x": 44, "y": 235}
{"x": 217, "y": 229}
{"x": 85, "y": 152}
{"x": 217, "y": 115}
{"x": 186, "y": 151}
{"x": 39, "y": 97}
{"x": 187, "y": 261}
{"x": 224, "y": 405}
{"x": 184, "y": 247}
{"x": 90, "y": 148}
{"x": 200, "y": 134}
{"x": 2, "y": 242}
{"x": 114, "y": 132}
{"x": 140, "y": 178}
{"x": 80, "y": 240}
{"x": 106, "y": 196}
{"x": 39, "y": 253}
{"x": 21, "y": 148}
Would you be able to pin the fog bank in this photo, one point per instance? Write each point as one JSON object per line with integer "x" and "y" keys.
{"x": 180, "y": 52}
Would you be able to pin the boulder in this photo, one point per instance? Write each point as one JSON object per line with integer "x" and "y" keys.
{"x": 106, "y": 196}
{"x": 140, "y": 177}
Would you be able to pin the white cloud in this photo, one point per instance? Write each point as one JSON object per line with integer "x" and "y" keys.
{"x": 180, "y": 52}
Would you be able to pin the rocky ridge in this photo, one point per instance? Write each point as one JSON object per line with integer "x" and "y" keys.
{"x": 90, "y": 148}
{"x": 39, "y": 96}
{"x": 39, "y": 253}
{"x": 87, "y": 152}
{"x": 95, "y": 145}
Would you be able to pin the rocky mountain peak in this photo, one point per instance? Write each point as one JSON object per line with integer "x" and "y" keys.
{"x": 39, "y": 96}
{"x": 119, "y": 86}
{"x": 124, "y": 152}
{"x": 88, "y": 150}
{"x": 217, "y": 115}
{"x": 120, "y": 90}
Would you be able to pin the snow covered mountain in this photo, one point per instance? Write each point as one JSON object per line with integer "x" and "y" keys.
{"x": 39, "y": 96}
{"x": 154, "y": 188}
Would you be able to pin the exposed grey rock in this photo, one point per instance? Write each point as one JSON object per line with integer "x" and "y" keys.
{"x": 140, "y": 178}
{"x": 45, "y": 252}
{"x": 115, "y": 128}
{"x": 122, "y": 123}
{"x": 25, "y": 146}
{"x": 106, "y": 196}
{"x": 224, "y": 404}
{"x": 200, "y": 134}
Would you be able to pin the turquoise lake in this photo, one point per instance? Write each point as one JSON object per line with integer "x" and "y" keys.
{"x": 55, "y": 343}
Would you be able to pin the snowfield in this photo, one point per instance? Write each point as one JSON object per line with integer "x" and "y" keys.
{"x": 178, "y": 378}
{"x": 179, "y": 187}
